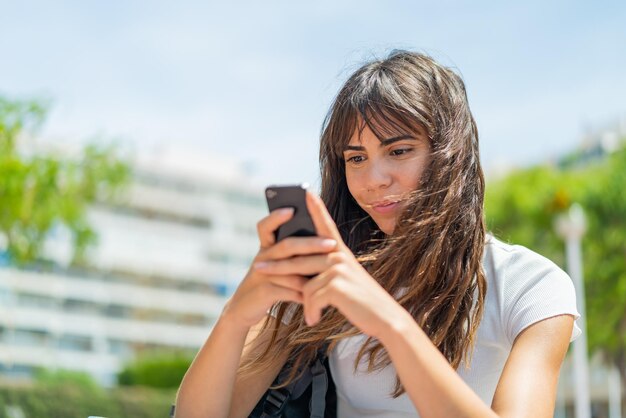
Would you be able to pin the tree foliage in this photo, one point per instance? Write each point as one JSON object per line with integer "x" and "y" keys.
{"x": 67, "y": 397}
{"x": 157, "y": 370}
{"x": 40, "y": 190}
{"x": 47, "y": 377}
{"x": 522, "y": 207}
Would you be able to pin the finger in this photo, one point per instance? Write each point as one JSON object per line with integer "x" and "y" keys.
{"x": 301, "y": 265}
{"x": 269, "y": 224}
{"x": 316, "y": 283}
{"x": 324, "y": 224}
{"x": 294, "y": 246}
{"x": 316, "y": 303}
{"x": 311, "y": 291}
{"x": 290, "y": 282}
{"x": 279, "y": 293}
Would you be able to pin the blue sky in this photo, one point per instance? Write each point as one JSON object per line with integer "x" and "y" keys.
{"x": 252, "y": 81}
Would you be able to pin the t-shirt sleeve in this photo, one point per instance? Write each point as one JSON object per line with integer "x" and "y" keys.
{"x": 535, "y": 289}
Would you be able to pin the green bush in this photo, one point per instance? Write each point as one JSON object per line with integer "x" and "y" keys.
{"x": 70, "y": 400}
{"x": 148, "y": 390}
{"x": 157, "y": 370}
{"x": 62, "y": 377}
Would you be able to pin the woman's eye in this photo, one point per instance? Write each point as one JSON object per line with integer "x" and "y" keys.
{"x": 355, "y": 159}
{"x": 401, "y": 151}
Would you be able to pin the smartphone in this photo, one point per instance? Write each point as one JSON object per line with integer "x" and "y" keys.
{"x": 291, "y": 196}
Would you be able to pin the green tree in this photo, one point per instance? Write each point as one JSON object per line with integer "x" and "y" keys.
{"x": 40, "y": 190}
{"x": 521, "y": 208}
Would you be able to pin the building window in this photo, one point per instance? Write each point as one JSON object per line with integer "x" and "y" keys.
{"x": 120, "y": 348}
{"x": 75, "y": 342}
{"x": 25, "y": 337}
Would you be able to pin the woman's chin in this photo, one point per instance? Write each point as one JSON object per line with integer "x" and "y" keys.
{"x": 386, "y": 228}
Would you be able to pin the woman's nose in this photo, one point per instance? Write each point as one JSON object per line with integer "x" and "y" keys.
{"x": 379, "y": 176}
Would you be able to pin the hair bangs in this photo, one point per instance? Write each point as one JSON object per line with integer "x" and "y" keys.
{"x": 372, "y": 99}
{"x": 383, "y": 108}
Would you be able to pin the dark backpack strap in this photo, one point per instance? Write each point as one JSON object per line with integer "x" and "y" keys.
{"x": 276, "y": 399}
{"x": 319, "y": 386}
{"x": 314, "y": 378}
{"x": 275, "y": 402}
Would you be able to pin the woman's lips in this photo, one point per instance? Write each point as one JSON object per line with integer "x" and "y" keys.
{"x": 385, "y": 207}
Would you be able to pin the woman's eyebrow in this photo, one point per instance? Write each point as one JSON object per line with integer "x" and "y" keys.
{"x": 383, "y": 143}
{"x": 388, "y": 141}
{"x": 354, "y": 148}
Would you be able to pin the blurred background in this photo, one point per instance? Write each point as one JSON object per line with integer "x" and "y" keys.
{"x": 136, "y": 139}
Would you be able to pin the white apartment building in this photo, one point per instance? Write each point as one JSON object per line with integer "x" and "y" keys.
{"x": 166, "y": 261}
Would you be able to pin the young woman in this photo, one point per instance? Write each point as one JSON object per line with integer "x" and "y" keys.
{"x": 426, "y": 314}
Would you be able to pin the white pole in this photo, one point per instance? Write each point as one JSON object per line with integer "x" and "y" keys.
{"x": 571, "y": 227}
{"x": 615, "y": 393}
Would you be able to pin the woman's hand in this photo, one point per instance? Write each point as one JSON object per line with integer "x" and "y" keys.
{"x": 258, "y": 292}
{"x": 341, "y": 281}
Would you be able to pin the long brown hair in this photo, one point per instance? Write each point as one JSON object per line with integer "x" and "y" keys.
{"x": 432, "y": 260}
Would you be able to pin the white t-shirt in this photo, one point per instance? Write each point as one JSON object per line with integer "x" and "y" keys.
{"x": 522, "y": 288}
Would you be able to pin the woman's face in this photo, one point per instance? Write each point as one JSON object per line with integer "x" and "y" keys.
{"x": 382, "y": 174}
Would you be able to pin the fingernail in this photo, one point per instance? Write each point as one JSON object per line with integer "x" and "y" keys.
{"x": 284, "y": 211}
{"x": 261, "y": 265}
{"x": 328, "y": 243}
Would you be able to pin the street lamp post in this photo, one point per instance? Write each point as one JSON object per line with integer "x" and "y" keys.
{"x": 571, "y": 227}
{"x": 615, "y": 393}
